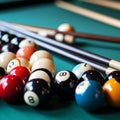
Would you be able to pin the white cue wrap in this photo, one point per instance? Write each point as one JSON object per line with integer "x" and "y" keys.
{"x": 109, "y": 70}
{"x": 114, "y": 64}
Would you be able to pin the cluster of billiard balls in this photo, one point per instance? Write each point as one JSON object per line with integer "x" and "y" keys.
{"x": 29, "y": 75}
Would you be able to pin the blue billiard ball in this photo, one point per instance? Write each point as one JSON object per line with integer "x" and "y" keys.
{"x": 90, "y": 96}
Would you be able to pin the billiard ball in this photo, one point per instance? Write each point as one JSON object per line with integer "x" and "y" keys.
{"x": 11, "y": 89}
{"x": 2, "y": 72}
{"x": 112, "y": 91}
{"x": 79, "y": 69}
{"x": 45, "y": 63}
{"x": 27, "y": 42}
{"x": 93, "y": 75}
{"x": 15, "y": 40}
{"x": 37, "y": 93}
{"x": 114, "y": 74}
{"x": 10, "y": 48}
{"x": 40, "y": 54}
{"x": 26, "y": 52}
{"x": 65, "y": 37}
{"x": 89, "y": 95}
{"x": 64, "y": 84}
{"x": 22, "y": 72}
{"x": 41, "y": 73}
{"x": 5, "y": 58}
{"x": 18, "y": 62}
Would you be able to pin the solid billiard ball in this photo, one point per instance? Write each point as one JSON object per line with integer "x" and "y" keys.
{"x": 18, "y": 62}
{"x": 93, "y": 75}
{"x": 5, "y": 58}
{"x": 11, "y": 89}
{"x": 79, "y": 69}
{"x": 37, "y": 93}
{"x": 112, "y": 92}
{"x": 10, "y": 47}
{"x": 40, "y": 54}
{"x": 41, "y": 73}
{"x": 45, "y": 63}
{"x": 22, "y": 72}
{"x": 114, "y": 74}
{"x": 27, "y": 42}
{"x": 89, "y": 95}
{"x": 26, "y": 52}
{"x": 64, "y": 84}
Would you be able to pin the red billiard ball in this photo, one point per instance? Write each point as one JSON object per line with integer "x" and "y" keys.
{"x": 11, "y": 89}
{"x": 22, "y": 72}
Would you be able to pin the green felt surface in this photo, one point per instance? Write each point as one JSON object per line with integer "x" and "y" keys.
{"x": 49, "y": 15}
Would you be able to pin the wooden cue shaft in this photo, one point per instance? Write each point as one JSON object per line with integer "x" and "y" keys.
{"x": 71, "y": 55}
{"x": 52, "y": 32}
{"x": 109, "y": 62}
{"x": 106, "y": 3}
{"x": 89, "y": 13}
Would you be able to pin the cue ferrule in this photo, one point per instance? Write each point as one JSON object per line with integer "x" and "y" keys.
{"x": 114, "y": 64}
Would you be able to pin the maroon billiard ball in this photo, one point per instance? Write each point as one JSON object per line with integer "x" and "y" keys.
{"x": 11, "y": 89}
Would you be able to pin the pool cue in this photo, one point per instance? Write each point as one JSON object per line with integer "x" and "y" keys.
{"x": 51, "y": 32}
{"x": 100, "y": 59}
{"x": 71, "y": 55}
{"x": 88, "y": 13}
{"x": 105, "y": 3}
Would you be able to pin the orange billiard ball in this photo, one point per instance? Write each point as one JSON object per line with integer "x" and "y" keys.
{"x": 112, "y": 92}
{"x": 26, "y": 52}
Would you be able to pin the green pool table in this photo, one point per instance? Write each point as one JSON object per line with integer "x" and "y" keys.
{"x": 47, "y": 14}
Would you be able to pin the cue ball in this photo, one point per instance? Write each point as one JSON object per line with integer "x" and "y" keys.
{"x": 90, "y": 96}
{"x": 37, "y": 93}
{"x": 79, "y": 69}
{"x": 5, "y": 58}
{"x": 64, "y": 84}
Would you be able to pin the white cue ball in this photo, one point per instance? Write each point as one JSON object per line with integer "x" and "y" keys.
{"x": 5, "y": 58}
{"x": 40, "y": 54}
